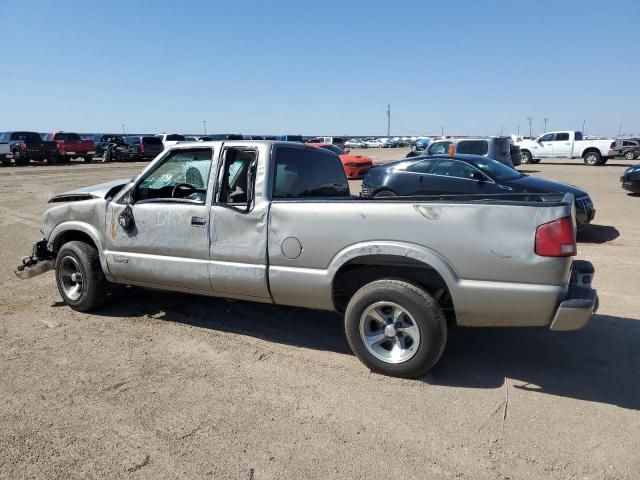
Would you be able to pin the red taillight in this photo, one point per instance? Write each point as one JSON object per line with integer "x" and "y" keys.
{"x": 556, "y": 239}
{"x": 23, "y": 147}
{"x": 142, "y": 148}
{"x": 612, "y": 146}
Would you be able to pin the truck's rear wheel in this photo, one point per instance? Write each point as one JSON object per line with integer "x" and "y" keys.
{"x": 79, "y": 276}
{"x": 395, "y": 328}
{"x": 593, "y": 158}
{"x": 52, "y": 160}
{"x": 88, "y": 159}
{"x": 5, "y": 161}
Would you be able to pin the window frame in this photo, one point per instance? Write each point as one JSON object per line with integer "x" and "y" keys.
{"x": 251, "y": 188}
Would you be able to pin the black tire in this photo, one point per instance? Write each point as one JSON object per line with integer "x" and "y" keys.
{"x": 424, "y": 312}
{"x": 6, "y": 162}
{"x": 535, "y": 160}
{"x": 630, "y": 155}
{"x": 52, "y": 160}
{"x": 88, "y": 159}
{"x": 385, "y": 193}
{"x": 94, "y": 285}
{"x": 20, "y": 159}
{"x": 592, "y": 158}
{"x": 526, "y": 157}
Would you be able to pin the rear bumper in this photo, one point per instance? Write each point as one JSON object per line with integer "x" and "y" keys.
{"x": 581, "y": 301}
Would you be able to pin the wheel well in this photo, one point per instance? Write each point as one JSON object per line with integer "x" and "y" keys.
{"x": 589, "y": 150}
{"x": 360, "y": 271}
{"x": 70, "y": 236}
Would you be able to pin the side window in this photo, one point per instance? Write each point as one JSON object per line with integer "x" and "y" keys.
{"x": 308, "y": 172}
{"x": 424, "y": 166}
{"x": 473, "y": 147}
{"x": 562, "y": 137}
{"x": 182, "y": 175}
{"x": 547, "y": 138}
{"x": 453, "y": 168}
{"x": 237, "y": 178}
{"x": 439, "y": 148}
{"x": 578, "y": 136}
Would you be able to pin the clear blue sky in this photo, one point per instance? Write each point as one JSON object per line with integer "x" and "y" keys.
{"x": 327, "y": 67}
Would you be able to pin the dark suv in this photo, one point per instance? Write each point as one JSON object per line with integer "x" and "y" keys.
{"x": 498, "y": 148}
{"x": 136, "y": 147}
{"x": 627, "y": 148}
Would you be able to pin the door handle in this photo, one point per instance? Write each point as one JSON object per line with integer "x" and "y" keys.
{"x": 198, "y": 221}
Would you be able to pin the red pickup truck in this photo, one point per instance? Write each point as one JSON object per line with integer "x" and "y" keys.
{"x": 70, "y": 145}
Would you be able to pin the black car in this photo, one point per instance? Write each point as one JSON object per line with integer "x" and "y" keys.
{"x": 464, "y": 174}
{"x": 103, "y": 142}
{"x": 631, "y": 179}
{"x": 136, "y": 147}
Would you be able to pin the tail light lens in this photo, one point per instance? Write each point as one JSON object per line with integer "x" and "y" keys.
{"x": 142, "y": 148}
{"x": 23, "y": 147}
{"x": 612, "y": 146}
{"x": 556, "y": 239}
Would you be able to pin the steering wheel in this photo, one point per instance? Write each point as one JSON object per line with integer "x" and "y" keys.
{"x": 187, "y": 188}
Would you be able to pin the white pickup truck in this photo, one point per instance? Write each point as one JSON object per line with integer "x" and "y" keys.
{"x": 566, "y": 144}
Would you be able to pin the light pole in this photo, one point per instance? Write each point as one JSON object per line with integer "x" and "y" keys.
{"x": 388, "y": 119}
{"x": 530, "y": 119}
{"x": 584, "y": 120}
{"x": 123, "y": 128}
{"x": 204, "y": 124}
{"x": 546, "y": 120}
{"x": 442, "y": 131}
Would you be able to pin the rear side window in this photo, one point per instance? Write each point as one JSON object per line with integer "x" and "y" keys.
{"x": 74, "y": 137}
{"x": 473, "y": 147}
{"x": 562, "y": 137}
{"x": 308, "y": 172}
{"x": 578, "y": 136}
{"x": 132, "y": 140}
{"x": 424, "y": 166}
{"x": 152, "y": 140}
{"x": 453, "y": 168}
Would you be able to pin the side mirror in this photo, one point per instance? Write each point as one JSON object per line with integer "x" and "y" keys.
{"x": 477, "y": 176}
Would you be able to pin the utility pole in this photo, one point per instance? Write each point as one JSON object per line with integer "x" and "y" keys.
{"x": 518, "y": 129}
{"x": 530, "y": 119}
{"x": 620, "y": 129}
{"x": 388, "y": 119}
{"x": 204, "y": 124}
{"x": 442, "y": 131}
{"x": 123, "y": 128}
{"x": 546, "y": 120}
{"x": 584, "y": 120}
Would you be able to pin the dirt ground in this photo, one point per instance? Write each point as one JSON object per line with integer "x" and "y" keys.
{"x": 160, "y": 385}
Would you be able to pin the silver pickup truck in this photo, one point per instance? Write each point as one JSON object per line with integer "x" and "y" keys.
{"x": 274, "y": 222}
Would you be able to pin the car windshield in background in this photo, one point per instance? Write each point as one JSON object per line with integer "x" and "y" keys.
{"x": 74, "y": 137}
{"x": 152, "y": 140}
{"x": 495, "y": 169}
{"x": 175, "y": 138}
{"x": 333, "y": 148}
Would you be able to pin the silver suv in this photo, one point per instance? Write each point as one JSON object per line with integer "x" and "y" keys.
{"x": 498, "y": 148}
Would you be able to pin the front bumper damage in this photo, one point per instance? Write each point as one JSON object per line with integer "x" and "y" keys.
{"x": 40, "y": 261}
{"x": 581, "y": 302}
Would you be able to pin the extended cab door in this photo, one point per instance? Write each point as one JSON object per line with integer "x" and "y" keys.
{"x": 239, "y": 218}
{"x": 157, "y": 231}
{"x": 562, "y": 145}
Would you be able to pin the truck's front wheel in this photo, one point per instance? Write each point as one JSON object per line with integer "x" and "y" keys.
{"x": 79, "y": 276}
{"x": 395, "y": 328}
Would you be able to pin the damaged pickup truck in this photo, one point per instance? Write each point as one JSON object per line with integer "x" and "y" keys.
{"x": 274, "y": 222}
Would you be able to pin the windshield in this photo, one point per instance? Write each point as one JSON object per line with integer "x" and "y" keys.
{"x": 74, "y": 137}
{"x": 333, "y": 148}
{"x": 496, "y": 170}
{"x": 26, "y": 136}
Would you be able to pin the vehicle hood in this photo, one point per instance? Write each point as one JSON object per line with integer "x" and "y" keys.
{"x": 539, "y": 185}
{"x": 102, "y": 190}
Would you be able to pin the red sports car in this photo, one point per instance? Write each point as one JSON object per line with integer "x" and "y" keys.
{"x": 355, "y": 166}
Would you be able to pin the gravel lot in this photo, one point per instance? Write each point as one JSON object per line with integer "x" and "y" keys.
{"x": 161, "y": 385}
